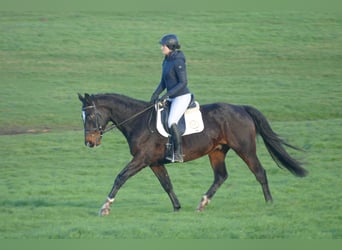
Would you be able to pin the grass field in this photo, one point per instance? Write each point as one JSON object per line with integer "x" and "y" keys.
{"x": 287, "y": 64}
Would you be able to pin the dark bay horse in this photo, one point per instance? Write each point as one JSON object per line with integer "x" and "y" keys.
{"x": 227, "y": 127}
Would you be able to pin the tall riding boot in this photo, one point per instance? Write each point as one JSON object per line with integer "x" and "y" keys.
{"x": 177, "y": 143}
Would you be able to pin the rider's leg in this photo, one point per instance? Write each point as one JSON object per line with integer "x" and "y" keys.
{"x": 178, "y": 107}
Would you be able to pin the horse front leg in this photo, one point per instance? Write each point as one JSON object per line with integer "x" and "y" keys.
{"x": 131, "y": 169}
{"x": 164, "y": 179}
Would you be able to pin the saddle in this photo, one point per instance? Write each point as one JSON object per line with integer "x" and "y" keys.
{"x": 190, "y": 123}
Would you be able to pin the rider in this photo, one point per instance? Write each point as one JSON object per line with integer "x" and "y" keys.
{"x": 174, "y": 80}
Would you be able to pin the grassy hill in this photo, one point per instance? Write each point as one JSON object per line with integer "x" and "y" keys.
{"x": 286, "y": 63}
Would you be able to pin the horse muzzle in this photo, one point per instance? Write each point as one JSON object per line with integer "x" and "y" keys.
{"x": 93, "y": 139}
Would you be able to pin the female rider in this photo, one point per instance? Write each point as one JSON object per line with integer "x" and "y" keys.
{"x": 174, "y": 80}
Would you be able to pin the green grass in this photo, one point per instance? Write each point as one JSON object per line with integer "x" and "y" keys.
{"x": 287, "y": 64}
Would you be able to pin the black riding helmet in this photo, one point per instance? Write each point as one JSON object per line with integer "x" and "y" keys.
{"x": 171, "y": 41}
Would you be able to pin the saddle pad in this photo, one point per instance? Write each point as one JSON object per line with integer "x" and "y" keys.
{"x": 192, "y": 119}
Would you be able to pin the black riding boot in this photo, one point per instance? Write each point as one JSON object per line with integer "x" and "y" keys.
{"x": 177, "y": 143}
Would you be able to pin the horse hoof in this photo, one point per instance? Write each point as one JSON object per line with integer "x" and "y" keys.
{"x": 176, "y": 209}
{"x": 105, "y": 209}
{"x": 205, "y": 201}
{"x": 104, "y": 212}
{"x": 200, "y": 208}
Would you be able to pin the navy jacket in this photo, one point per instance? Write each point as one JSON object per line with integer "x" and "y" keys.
{"x": 174, "y": 77}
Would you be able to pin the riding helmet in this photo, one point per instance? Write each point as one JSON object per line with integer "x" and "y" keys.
{"x": 171, "y": 41}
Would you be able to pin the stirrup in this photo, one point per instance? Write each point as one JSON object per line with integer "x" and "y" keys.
{"x": 179, "y": 159}
{"x": 174, "y": 159}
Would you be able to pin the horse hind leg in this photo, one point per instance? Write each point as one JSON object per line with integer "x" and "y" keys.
{"x": 252, "y": 161}
{"x": 218, "y": 165}
{"x": 165, "y": 181}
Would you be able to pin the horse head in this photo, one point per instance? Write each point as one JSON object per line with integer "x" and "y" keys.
{"x": 93, "y": 121}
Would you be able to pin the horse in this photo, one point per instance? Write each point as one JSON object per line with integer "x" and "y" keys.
{"x": 226, "y": 126}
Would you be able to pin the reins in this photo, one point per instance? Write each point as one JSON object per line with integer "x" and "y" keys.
{"x": 127, "y": 120}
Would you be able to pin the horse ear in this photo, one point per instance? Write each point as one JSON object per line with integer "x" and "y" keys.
{"x": 87, "y": 98}
{"x": 80, "y": 97}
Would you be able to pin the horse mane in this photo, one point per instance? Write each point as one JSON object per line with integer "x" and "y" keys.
{"x": 124, "y": 100}
{"x": 114, "y": 95}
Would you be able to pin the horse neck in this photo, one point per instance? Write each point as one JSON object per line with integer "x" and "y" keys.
{"x": 122, "y": 108}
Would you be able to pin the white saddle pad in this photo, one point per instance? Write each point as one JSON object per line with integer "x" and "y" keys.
{"x": 193, "y": 121}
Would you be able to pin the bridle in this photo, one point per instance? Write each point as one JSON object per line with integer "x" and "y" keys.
{"x": 96, "y": 113}
{"x": 113, "y": 126}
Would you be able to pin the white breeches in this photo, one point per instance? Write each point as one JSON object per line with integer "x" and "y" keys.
{"x": 179, "y": 105}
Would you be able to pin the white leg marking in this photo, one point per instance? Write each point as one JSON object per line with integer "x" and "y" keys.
{"x": 205, "y": 201}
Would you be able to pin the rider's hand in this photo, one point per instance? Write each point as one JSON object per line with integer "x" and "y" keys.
{"x": 154, "y": 98}
{"x": 163, "y": 98}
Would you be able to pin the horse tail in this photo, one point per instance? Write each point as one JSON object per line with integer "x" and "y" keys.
{"x": 274, "y": 144}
